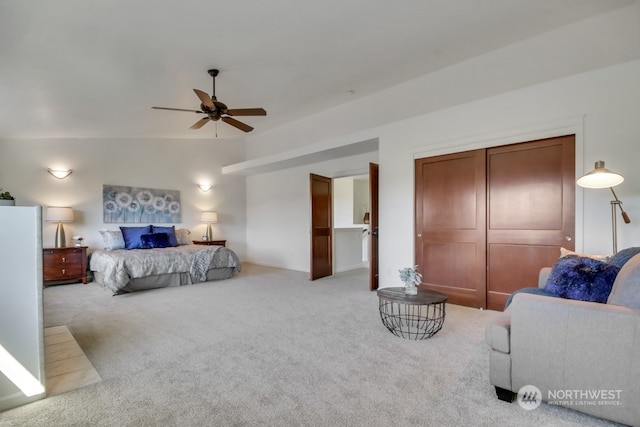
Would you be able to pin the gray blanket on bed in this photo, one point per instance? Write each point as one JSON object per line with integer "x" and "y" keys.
{"x": 119, "y": 266}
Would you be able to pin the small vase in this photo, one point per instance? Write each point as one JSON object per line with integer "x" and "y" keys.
{"x": 410, "y": 289}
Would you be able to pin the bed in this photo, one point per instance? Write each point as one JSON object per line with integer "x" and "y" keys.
{"x": 122, "y": 267}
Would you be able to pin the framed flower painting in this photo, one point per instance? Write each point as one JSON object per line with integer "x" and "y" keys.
{"x": 140, "y": 205}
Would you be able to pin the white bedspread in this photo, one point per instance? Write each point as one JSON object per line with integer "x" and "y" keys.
{"x": 119, "y": 266}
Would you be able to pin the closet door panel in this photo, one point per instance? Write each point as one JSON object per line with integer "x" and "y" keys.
{"x": 530, "y": 212}
{"x": 451, "y": 225}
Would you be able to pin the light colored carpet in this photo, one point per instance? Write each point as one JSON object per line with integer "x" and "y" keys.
{"x": 271, "y": 348}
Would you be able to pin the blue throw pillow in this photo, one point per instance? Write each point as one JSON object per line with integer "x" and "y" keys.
{"x": 154, "y": 240}
{"x": 535, "y": 291}
{"x": 132, "y": 235}
{"x": 170, "y": 231}
{"x": 582, "y": 278}
{"x": 623, "y": 256}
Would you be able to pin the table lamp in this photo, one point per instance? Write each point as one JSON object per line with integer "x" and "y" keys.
{"x": 209, "y": 218}
{"x": 59, "y": 215}
{"x": 603, "y": 178}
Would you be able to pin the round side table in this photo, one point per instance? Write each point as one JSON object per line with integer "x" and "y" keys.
{"x": 415, "y": 317}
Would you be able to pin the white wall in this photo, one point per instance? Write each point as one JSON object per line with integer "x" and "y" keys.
{"x": 342, "y": 202}
{"x": 600, "y": 106}
{"x": 162, "y": 164}
{"x": 278, "y": 216}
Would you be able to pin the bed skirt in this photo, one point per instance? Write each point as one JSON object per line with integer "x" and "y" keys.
{"x": 167, "y": 280}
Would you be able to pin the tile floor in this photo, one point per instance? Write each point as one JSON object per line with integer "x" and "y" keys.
{"x": 66, "y": 365}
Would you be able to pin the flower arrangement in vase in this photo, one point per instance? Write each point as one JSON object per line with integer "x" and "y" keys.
{"x": 411, "y": 278}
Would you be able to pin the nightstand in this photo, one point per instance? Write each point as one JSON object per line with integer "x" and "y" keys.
{"x": 210, "y": 242}
{"x": 64, "y": 265}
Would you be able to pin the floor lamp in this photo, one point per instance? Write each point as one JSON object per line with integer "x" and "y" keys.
{"x": 604, "y": 178}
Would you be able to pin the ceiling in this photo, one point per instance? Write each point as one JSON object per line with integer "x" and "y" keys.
{"x": 80, "y": 68}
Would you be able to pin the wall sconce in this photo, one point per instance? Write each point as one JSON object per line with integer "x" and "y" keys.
{"x": 59, "y": 173}
{"x": 59, "y": 215}
{"x": 209, "y": 218}
{"x": 205, "y": 187}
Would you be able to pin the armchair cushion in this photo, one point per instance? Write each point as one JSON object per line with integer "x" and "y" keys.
{"x": 581, "y": 278}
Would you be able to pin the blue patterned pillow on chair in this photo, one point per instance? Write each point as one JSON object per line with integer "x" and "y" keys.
{"x": 582, "y": 278}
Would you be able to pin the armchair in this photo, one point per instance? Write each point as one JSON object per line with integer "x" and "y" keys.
{"x": 582, "y": 355}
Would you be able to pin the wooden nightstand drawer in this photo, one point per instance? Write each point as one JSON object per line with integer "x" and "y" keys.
{"x": 63, "y": 272}
{"x": 64, "y": 264}
{"x": 54, "y": 257}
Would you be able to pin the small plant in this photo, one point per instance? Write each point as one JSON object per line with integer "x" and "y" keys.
{"x": 410, "y": 275}
{"x": 5, "y": 195}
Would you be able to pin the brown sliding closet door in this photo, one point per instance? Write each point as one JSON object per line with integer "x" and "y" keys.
{"x": 531, "y": 208}
{"x": 488, "y": 220}
{"x": 450, "y": 225}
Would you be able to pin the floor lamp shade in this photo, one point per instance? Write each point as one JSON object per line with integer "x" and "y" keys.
{"x": 601, "y": 177}
{"x": 59, "y": 215}
{"x": 209, "y": 218}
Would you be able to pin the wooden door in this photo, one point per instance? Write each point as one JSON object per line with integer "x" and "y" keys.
{"x": 450, "y": 225}
{"x": 531, "y": 208}
{"x": 321, "y": 226}
{"x": 373, "y": 225}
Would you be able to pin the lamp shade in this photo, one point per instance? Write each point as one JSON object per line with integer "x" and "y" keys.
{"x": 600, "y": 178}
{"x": 210, "y": 217}
{"x": 59, "y": 214}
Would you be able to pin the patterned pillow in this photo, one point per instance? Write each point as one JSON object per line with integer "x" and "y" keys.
{"x": 154, "y": 240}
{"x": 581, "y": 278}
{"x": 112, "y": 239}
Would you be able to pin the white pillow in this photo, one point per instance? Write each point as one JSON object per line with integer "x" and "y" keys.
{"x": 565, "y": 252}
{"x": 182, "y": 236}
{"x": 112, "y": 239}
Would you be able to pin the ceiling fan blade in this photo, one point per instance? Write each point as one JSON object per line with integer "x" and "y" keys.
{"x": 247, "y": 112}
{"x": 200, "y": 123}
{"x": 178, "y": 109}
{"x": 204, "y": 98}
{"x": 233, "y": 122}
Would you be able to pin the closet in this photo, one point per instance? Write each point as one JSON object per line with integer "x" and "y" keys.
{"x": 487, "y": 220}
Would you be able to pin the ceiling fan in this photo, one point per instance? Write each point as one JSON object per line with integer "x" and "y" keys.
{"x": 216, "y": 110}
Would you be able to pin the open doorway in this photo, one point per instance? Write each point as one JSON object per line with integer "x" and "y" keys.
{"x": 344, "y": 224}
{"x": 351, "y": 221}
